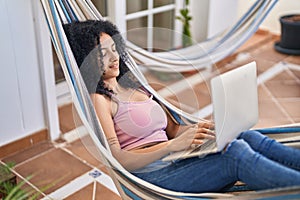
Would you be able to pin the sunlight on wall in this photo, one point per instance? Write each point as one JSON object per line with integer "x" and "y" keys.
{"x": 272, "y": 21}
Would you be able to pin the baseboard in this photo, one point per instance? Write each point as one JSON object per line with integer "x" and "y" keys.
{"x": 24, "y": 143}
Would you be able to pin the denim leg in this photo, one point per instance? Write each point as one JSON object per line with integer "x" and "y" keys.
{"x": 258, "y": 171}
{"x": 211, "y": 173}
{"x": 272, "y": 149}
{"x": 216, "y": 171}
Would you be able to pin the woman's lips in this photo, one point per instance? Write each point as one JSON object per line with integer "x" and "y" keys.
{"x": 115, "y": 66}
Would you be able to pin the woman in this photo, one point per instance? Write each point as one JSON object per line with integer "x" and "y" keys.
{"x": 140, "y": 133}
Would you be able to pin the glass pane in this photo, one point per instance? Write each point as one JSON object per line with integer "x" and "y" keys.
{"x": 137, "y": 31}
{"x": 163, "y": 37}
{"x": 158, "y": 3}
{"x": 101, "y": 5}
{"x": 136, "y": 5}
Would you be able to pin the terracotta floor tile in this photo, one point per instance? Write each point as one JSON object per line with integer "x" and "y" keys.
{"x": 268, "y": 52}
{"x": 297, "y": 120}
{"x": 26, "y": 154}
{"x": 270, "y": 113}
{"x": 86, "y": 150}
{"x": 66, "y": 118}
{"x": 256, "y": 40}
{"x": 84, "y": 193}
{"x": 194, "y": 98}
{"x": 271, "y": 122}
{"x": 292, "y": 106}
{"x": 284, "y": 88}
{"x": 224, "y": 67}
{"x": 102, "y": 193}
{"x": 55, "y": 166}
{"x": 283, "y": 76}
{"x": 268, "y": 109}
{"x": 293, "y": 59}
{"x": 263, "y": 65}
{"x": 263, "y": 93}
{"x": 296, "y": 73}
{"x": 203, "y": 94}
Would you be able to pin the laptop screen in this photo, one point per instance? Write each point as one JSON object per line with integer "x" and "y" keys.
{"x": 235, "y": 103}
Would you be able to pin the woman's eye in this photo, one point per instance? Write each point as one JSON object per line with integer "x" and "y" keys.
{"x": 104, "y": 53}
{"x": 113, "y": 48}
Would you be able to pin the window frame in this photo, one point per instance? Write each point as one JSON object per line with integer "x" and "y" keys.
{"x": 117, "y": 13}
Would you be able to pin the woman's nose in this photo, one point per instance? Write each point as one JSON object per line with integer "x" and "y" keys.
{"x": 113, "y": 56}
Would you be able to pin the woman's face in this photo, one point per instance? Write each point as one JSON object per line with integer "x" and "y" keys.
{"x": 110, "y": 57}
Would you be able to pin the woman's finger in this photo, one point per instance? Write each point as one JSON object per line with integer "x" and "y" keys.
{"x": 203, "y": 136}
{"x": 207, "y": 131}
{"x": 208, "y": 125}
{"x": 197, "y": 141}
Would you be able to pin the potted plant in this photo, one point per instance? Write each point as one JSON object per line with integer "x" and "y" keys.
{"x": 290, "y": 35}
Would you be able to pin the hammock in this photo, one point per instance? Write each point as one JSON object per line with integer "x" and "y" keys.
{"x": 127, "y": 184}
{"x": 197, "y": 56}
{"x": 81, "y": 10}
{"x": 206, "y": 53}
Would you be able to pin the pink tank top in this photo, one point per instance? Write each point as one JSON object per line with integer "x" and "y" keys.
{"x": 139, "y": 123}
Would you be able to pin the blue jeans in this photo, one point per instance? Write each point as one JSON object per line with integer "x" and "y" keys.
{"x": 255, "y": 159}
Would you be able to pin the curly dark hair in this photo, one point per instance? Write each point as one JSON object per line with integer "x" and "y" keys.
{"x": 84, "y": 39}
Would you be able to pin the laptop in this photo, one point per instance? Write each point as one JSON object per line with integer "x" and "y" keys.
{"x": 235, "y": 109}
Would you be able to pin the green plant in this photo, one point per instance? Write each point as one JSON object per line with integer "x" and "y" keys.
{"x": 11, "y": 190}
{"x": 6, "y": 169}
{"x": 19, "y": 192}
{"x": 185, "y": 18}
{"x": 7, "y": 179}
{"x": 15, "y": 192}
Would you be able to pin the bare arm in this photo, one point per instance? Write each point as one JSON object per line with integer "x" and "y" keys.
{"x": 132, "y": 160}
{"x": 173, "y": 129}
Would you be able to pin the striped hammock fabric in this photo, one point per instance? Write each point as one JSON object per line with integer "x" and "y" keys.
{"x": 58, "y": 12}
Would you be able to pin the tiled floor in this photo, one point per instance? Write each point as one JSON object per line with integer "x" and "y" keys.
{"x": 72, "y": 167}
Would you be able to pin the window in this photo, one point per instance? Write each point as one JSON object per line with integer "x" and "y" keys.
{"x": 138, "y": 17}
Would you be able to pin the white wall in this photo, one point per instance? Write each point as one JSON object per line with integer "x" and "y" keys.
{"x": 199, "y": 23}
{"x": 222, "y": 14}
{"x": 211, "y": 17}
{"x": 271, "y": 22}
{"x": 21, "y": 102}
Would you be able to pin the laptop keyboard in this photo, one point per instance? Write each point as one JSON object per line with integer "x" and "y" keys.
{"x": 207, "y": 145}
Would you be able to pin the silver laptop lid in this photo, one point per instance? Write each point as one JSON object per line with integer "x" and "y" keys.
{"x": 235, "y": 103}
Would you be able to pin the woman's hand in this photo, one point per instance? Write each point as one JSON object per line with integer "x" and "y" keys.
{"x": 206, "y": 130}
{"x": 184, "y": 140}
{"x": 206, "y": 124}
{"x": 193, "y": 135}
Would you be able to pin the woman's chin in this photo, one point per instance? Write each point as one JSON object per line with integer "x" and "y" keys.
{"x": 111, "y": 75}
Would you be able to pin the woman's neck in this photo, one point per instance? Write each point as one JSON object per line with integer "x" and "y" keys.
{"x": 113, "y": 85}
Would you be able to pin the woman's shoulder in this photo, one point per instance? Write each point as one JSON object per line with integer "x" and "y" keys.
{"x": 99, "y": 98}
{"x": 102, "y": 104}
